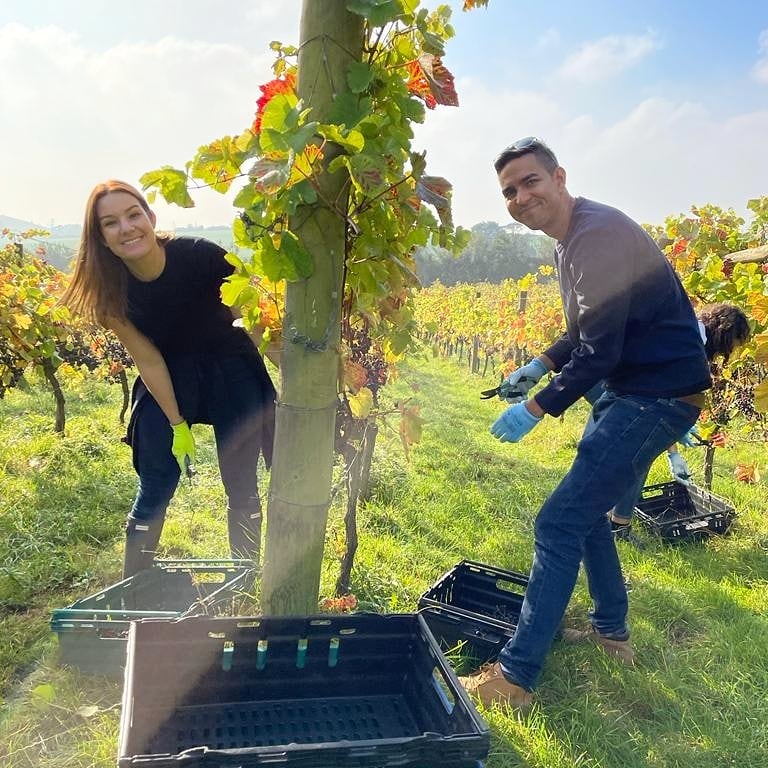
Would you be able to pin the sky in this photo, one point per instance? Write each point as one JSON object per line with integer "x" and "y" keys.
{"x": 651, "y": 106}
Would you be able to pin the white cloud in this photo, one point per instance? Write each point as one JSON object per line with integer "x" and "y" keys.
{"x": 75, "y": 117}
{"x": 604, "y": 58}
{"x": 462, "y": 143}
{"x": 656, "y": 161}
{"x": 760, "y": 70}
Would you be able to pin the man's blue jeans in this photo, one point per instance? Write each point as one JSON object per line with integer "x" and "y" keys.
{"x": 625, "y": 433}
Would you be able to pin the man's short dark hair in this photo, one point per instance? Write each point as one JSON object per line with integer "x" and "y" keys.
{"x": 530, "y": 145}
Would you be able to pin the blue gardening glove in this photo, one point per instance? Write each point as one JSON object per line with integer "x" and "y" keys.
{"x": 183, "y": 447}
{"x": 516, "y": 422}
{"x": 688, "y": 438}
{"x": 679, "y": 468}
{"x": 516, "y": 386}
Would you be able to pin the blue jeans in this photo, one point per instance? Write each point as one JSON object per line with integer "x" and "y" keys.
{"x": 624, "y": 435}
{"x": 625, "y": 507}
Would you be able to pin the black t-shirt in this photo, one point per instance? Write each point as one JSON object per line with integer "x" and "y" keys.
{"x": 181, "y": 311}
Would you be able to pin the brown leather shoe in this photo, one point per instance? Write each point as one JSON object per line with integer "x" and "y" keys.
{"x": 490, "y": 686}
{"x": 619, "y": 649}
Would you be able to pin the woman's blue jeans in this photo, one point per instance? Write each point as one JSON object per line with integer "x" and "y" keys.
{"x": 625, "y": 433}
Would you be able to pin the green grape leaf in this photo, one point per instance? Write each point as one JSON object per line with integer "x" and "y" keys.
{"x": 377, "y": 12}
{"x": 171, "y": 183}
{"x": 360, "y": 76}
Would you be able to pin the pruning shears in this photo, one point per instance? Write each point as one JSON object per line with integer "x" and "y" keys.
{"x": 698, "y": 439}
{"x": 189, "y": 469}
{"x": 505, "y": 390}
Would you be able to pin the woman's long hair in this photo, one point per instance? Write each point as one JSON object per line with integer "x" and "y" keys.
{"x": 97, "y": 289}
{"x": 727, "y": 327}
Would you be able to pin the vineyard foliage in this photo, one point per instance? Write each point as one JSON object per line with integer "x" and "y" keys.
{"x": 38, "y": 334}
{"x": 514, "y": 320}
{"x": 393, "y": 205}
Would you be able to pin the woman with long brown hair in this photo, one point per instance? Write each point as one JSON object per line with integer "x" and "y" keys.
{"x": 161, "y": 296}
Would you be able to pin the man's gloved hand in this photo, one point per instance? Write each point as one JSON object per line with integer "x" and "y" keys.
{"x": 679, "y": 468}
{"x": 516, "y": 422}
{"x": 691, "y": 438}
{"x": 183, "y": 446}
{"x": 521, "y": 381}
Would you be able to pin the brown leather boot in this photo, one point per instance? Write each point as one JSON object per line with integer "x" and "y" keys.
{"x": 490, "y": 686}
{"x": 619, "y": 648}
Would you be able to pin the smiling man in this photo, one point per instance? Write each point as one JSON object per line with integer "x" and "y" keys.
{"x": 628, "y": 323}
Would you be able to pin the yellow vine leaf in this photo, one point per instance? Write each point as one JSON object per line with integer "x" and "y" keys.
{"x": 411, "y": 426}
{"x": 761, "y": 397}
{"x": 758, "y": 305}
{"x": 361, "y": 404}
{"x": 761, "y": 348}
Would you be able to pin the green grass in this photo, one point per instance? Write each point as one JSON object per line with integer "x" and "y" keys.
{"x": 697, "y": 697}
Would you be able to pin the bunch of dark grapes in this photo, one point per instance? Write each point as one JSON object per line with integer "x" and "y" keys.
{"x": 735, "y": 396}
{"x": 13, "y": 365}
{"x": 363, "y": 351}
{"x": 77, "y": 352}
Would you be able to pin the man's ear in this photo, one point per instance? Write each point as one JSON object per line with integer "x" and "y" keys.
{"x": 559, "y": 176}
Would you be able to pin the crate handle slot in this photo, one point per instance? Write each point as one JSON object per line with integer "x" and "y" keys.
{"x": 261, "y": 654}
{"x": 301, "y": 653}
{"x": 226, "y": 655}
{"x": 247, "y": 624}
{"x": 333, "y": 652}
{"x": 444, "y": 692}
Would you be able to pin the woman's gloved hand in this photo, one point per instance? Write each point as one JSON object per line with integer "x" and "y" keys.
{"x": 679, "y": 468}
{"x": 521, "y": 381}
{"x": 183, "y": 447}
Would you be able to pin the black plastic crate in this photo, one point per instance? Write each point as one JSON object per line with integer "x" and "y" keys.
{"x": 92, "y": 631}
{"x": 353, "y": 690}
{"x": 677, "y": 512}
{"x": 474, "y": 608}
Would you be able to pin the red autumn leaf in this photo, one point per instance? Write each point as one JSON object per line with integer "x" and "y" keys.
{"x": 727, "y": 267}
{"x": 268, "y": 90}
{"x": 746, "y": 473}
{"x": 355, "y": 376}
{"x": 440, "y": 80}
{"x": 431, "y": 81}
{"x": 435, "y": 190}
{"x": 718, "y": 440}
{"x": 419, "y": 85}
{"x": 339, "y": 604}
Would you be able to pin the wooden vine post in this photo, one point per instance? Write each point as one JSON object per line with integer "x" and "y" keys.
{"x": 330, "y": 39}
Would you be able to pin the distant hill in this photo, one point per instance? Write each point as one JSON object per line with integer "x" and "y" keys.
{"x": 17, "y": 225}
{"x": 61, "y": 245}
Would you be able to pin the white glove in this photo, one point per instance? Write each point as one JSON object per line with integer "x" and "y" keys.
{"x": 517, "y": 385}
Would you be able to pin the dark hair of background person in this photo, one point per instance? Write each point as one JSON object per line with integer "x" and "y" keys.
{"x": 727, "y": 327}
